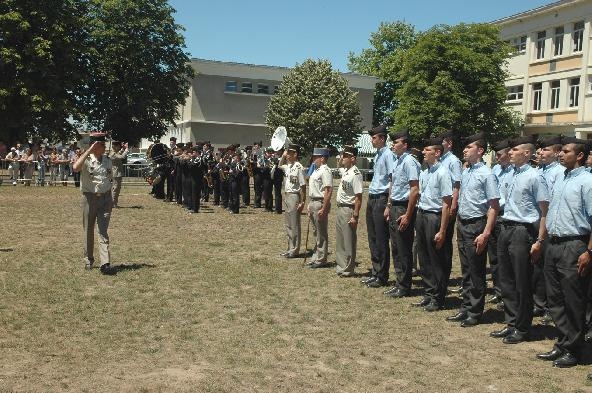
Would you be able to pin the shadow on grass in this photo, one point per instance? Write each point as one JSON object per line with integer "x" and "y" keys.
{"x": 131, "y": 207}
{"x": 6, "y": 249}
{"x": 131, "y": 266}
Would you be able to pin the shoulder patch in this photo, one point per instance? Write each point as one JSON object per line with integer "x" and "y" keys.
{"x": 356, "y": 172}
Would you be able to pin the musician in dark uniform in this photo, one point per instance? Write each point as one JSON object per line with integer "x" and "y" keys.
{"x": 256, "y": 159}
{"x": 224, "y": 179}
{"x": 216, "y": 178}
{"x": 177, "y": 173}
{"x": 235, "y": 176}
{"x": 158, "y": 153}
{"x": 277, "y": 178}
{"x": 245, "y": 177}
{"x": 186, "y": 177}
{"x": 264, "y": 165}
{"x": 196, "y": 171}
{"x": 170, "y": 181}
{"x": 207, "y": 158}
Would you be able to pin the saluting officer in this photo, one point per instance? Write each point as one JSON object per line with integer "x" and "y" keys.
{"x": 294, "y": 199}
{"x": 401, "y": 212}
{"x": 433, "y": 214}
{"x": 478, "y": 207}
{"x": 568, "y": 255}
{"x": 349, "y": 202}
{"x": 520, "y": 241}
{"x": 320, "y": 188}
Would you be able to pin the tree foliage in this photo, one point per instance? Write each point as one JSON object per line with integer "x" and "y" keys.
{"x": 384, "y": 60}
{"x": 316, "y": 106}
{"x": 454, "y": 79}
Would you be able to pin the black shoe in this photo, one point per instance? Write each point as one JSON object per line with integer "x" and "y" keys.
{"x": 422, "y": 303}
{"x": 433, "y": 306}
{"x": 515, "y": 338}
{"x": 553, "y": 354}
{"x": 398, "y": 293}
{"x": 538, "y": 312}
{"x": 547, "y": 318}
{"x": 289, "y": 256}
{"x": 377, "y": 284}
{"x": 588, "y": 336}
{"x": 565, "y": 361}
{"x": 318, "y": 265}
{"x": 502, "y": 333}
{"x": 458, "y": 317}
{"x": 469, "y": 322}
{"x": 494, "y": 299}
{"x": 108, "y": 270}
{"x": 368, "y": 280}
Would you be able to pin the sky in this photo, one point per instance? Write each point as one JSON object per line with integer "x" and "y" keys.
{"x": 285, "y": 33}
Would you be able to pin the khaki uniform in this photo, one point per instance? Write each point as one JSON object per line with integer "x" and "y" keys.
{"x": 346, "y": 236}
{"x": 318, "y": 181}
{"x": 117, "y": 163}
{"x": 95, "y": 184}
{"x": 294, "y": 181}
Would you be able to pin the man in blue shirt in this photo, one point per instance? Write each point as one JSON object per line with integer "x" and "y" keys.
{"x": 433, "y": 213}
{"x": 568, "y": 256}
{"x": 520, "y": 240}
{"x": 503, "y": 171}
{"x": 401, "y": 212}
{"x": 376, "y": 223}
{"x": 477, "y": 211}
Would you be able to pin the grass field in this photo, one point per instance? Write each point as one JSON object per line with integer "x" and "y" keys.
{"x": 203, "y": 303}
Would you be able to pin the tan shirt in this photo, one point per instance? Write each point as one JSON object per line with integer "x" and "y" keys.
{"x": 320, "y": 179}
{"x": 95, "y": 176}
{"x": 294, "y": 174}
{"x": 351, "y": 184}
{"x": 117, "y": 161}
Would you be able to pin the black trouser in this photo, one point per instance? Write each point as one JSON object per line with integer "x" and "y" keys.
{"x": 224, "y": 192}
{"x": 245, "y": 189}
{"x": 277, "y": 191}
{"x": 216, "y": 182}
{"x": 378, "y": 236}
{"x": 493, "y": 259}
{"x": 539, "y": 290}
{"x": 433, "y": 262}
{"x": 449, "y": 247}
{"x": 76, "y": 177}
{"x": 235, "y": 189}
{"x": 258, "y": 187}
{"x": 170, "y": 186}
{"x": 178, "y": 185}
{"x": 196, "y": 184}
{"x": 567, "y": 292}
{"x": 268, "y": 192}
{"x": 158, "y": 188}
{"x": 472, "y": 266}
{"x": 513, "y": 250}
{"x": 402, "y": 245}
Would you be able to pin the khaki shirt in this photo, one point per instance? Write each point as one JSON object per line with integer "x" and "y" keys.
{"x": 294, "y": 174}
{"x": 95, "y": 176}
{"x": 351, "y": 184}
{"x": 117, "y": 161}
{"x": 319, "y": 180}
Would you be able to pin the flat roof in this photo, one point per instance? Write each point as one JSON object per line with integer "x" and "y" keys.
{"x": 535, "y": 11}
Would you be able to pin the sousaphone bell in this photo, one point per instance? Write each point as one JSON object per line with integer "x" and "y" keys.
{"x": 279, "y": 139}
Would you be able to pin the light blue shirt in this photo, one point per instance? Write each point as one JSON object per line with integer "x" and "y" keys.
{"x": 570, "y": 210}
{"x": 504, "y": 179}
{"x": 478, "y": 186}
{"x": 406, "y": 169}
{"x": 454, "y": 166}
{"x": 552, "y": 172}
{"x": 527, "y": 189}
{"x": 383, "y": 167}
{"x": 434, "y": 184}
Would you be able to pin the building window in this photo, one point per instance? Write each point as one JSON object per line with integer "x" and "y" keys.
{"x": 574, "y": 92}
{"x": 540, "y": 44}
{"x": 555, "y": 89}
{"x": 515, "y": 93}
{"x": 276, "y": 89}
{"x": 246, "y": 87}
{"x": 578, "y": 36}
{"x": 558, "y": 41}
{"x": 230, "y": 86}
{"x": 519, "y": 44}
{"x": 537, "y": 93}
{"x": 262, "y": 89}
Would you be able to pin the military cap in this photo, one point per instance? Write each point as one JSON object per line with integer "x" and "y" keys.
{"x": 571, "y": 139}
{"x": 501, "y": 145}
{"x": 522, "y": 140}
{"x": 294, "y": 147}
{"x": 173, "y": 138}
{"x": 320, "y": 151}
{"x": 550, "y": 141}
{"x": 97, "y": 137}
{"x": 197, "y": 148}
{"x": 180, "y": 145}
{"x": 380, "y": 130}
{"x": 434, "y": 141}
{"x": 350, "y": 150}
{"x": 448, "y": 134}
{"x": 269, "y": 149}
{"x": 401, "y": 133}
{"x": 480, "y": 136}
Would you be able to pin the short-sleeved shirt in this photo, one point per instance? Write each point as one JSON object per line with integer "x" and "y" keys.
{"x": 383, "y": 167}
{"x": 319, "y": 180}
{"x": 552, "y": 172}
{"x": 570, "y": 210}
{"x": 454, "y": 166}
{"x": 96, "y": 176}
{"x": 504, "y": 178}
{"x": 478, "y": 187}
{"x": 351, "y": 185}
{"x": 406, "y": 169}
{"x": 294, "y": 174}
{"x": 435, "y": 183}
{"x": 527, "y": 189}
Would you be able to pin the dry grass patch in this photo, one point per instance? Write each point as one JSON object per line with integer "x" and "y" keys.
{"x": 203, "y": 303}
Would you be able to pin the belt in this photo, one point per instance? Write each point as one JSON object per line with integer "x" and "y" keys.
{"x": 316, "y": 199}
{"x": 399, "y": 203}
{"x": 378, "y": 196}
{"x": 509, "y": 223}
{"x": 563, "y": 239}
{"x": 429, "y": 212}
{"x": 471, "y": 220}
{"x": 97, "y": 193}
{"x": 350, "y": 205}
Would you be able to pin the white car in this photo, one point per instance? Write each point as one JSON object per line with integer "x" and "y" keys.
{"x": 137, "y": 158}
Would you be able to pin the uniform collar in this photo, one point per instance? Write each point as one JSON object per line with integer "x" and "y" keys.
{"x": 523, "y": 168}
{"x": 477, "y": 165}
{"x": 548, "y": 166}
{"x": 434, "y": 167}
{"x": 575, "y": 172}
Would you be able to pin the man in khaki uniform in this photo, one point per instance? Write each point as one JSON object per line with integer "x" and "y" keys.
{"x": 295, "y": 189}
{"x": 349, "y": 201}
{"x": 95, "y": 183}
{"x": 320, "y": 188}
{"x": 117, "y": 156}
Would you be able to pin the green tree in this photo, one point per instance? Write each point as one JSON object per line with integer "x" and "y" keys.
{"x": 42, "y": 67}
{"x": 384, "y": 60}
{"x": 454, "y": 79}
{"x": 140, "y": 73}
{"x": 316, "y": 106}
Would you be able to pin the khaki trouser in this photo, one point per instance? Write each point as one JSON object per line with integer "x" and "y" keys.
{"x": 292, "y": 216}
{"x": 345, "y": 241}
{"x": 320, "y": 231}
{"x": 96, "y": 208}
{"x": 116, "y": 189}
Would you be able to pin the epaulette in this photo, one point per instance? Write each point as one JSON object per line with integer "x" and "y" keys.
{"x": 356, "y": 171}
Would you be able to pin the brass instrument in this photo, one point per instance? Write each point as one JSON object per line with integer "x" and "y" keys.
{"x": 208, "y": 179}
